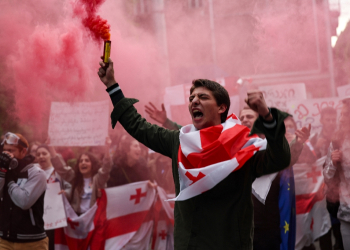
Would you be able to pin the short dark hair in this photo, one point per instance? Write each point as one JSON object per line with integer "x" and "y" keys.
{"x": 220, "y": 93}
{"x": 328, "y": 111}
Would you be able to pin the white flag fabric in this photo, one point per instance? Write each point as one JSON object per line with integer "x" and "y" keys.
{"x": 312, "y": 217}
{"x": 163, "y": 238}
{"x": 209, "y": 155}
{"x": 125, "y": 217}
{"x": 261, "y": 186}
{"x": 78, "y": 233}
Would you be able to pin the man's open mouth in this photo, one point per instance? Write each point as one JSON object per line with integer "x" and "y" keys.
{"x": 197, "y": 114}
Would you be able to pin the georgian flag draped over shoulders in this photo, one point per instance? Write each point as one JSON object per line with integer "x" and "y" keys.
{"x": 312, "y": 217}
{"x": 125, "y": 217}
{"x": 209, "y": 155}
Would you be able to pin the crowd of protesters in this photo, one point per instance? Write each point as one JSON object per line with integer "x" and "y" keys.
{"x": 124, "y": 160}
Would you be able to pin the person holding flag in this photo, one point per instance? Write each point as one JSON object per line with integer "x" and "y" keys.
{"x": 214, "y": 161}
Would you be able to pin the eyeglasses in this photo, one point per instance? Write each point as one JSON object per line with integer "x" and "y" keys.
{"x": 13, "y": 139}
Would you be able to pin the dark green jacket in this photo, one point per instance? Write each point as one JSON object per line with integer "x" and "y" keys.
{"x": 221, "y": 218}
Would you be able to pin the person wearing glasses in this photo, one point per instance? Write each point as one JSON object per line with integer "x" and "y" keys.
{"x": 22, "y": 191}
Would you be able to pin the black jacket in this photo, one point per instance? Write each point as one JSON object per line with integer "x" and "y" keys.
{"x": 22, "y": 203}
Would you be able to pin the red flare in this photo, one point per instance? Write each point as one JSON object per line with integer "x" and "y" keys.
{"x": 100, "y": 29}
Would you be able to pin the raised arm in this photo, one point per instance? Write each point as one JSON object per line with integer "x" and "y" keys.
{"x": 60, "y": 166}
{"x": 102, "y": 175}
{"x": 270, "y": 123}
{"x": 277, "y": 155}
{"x": 66, "y": 172}
{"x": 154, "y": 137}
{"x": 161, "y": 117}
{"x": 296, "y": 145}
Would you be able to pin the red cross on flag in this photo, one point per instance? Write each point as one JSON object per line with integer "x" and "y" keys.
{"x": 163, "y": 237}
{"x": 78, "y": 233}
{"x": 312, "y": 217}
{"x": 125, "y": 217}
{"x": 209, "y": 155}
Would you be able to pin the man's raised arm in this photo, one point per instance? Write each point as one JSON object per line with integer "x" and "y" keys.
{"x": 154, "y": 137}
{"x": 161, "y": 117}
{"x": 270, "y": 123}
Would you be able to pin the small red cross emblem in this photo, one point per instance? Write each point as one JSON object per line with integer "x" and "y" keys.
{"x": 163, "y": 234}
{"x": 193, "y": 178}
{"x": 314, "y": 174}
{"x": 72, "y": 224}
{"x": 138, "y": 195}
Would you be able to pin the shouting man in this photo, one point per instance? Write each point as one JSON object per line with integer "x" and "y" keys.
{"x": 214, "y": 161}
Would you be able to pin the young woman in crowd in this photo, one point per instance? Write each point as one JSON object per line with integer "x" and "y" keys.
{"x": 43, "y": 159}
{"x": 33, "y": 147}
{"x": 337, "y": 172}
{"x": 87, "y": 177}
{"x": 128, "y": 164}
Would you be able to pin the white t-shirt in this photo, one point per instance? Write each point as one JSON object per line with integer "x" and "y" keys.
{"x": 86, "y": 195}
{"x": 50, "y": 178}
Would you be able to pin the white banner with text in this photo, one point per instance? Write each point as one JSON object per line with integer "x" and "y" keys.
{"x": 54, "y": 213}
{"x": 78, "y": 124}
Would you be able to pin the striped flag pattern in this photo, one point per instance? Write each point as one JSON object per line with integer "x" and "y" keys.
{"x": 312, "y": 217}
{"x": 209, "y": 155}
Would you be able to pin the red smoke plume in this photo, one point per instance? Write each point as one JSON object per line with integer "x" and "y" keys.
{"x": 87, "y": 9}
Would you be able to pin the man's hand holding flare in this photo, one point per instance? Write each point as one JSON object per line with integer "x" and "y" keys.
{"x": 106, "y": 76}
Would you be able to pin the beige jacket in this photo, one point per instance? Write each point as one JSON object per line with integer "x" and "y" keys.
{"x": 99, "y": 181}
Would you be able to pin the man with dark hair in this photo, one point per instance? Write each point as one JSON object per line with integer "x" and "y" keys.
{"x": 267, "y": 232}
{"x": 22, "y": 190}
{"x": 213, "y": 208}
{"x": 220, "y": 94}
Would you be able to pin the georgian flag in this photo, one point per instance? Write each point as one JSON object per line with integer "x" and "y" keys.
{"x": 209, "y": 155}
{"x": 312, "y": 217}
{"x": 163, "y": 232}
{"x": 121, "y": 219}
{"x": 125, "y": 217}
{"x": 78, "y": 233}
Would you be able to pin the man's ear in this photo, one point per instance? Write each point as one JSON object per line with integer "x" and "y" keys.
{"x": 23, "y": 152}
{"x": 222, "y": 108}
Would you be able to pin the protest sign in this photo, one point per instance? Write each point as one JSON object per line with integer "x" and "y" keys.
{"x": 54, "y": 213}
{"x": 78, "y": 124}
{"x": 307, "y": 112}
{"x": 344, "y": 91}
{"x": 278, "y": 95}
